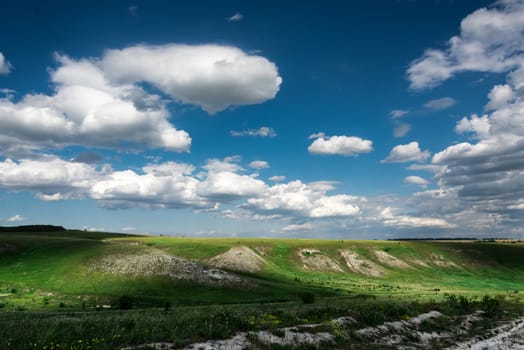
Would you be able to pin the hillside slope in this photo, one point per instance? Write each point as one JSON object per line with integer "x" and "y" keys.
{"x": 40, "y": 270}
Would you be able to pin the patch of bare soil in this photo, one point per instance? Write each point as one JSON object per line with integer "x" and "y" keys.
{"x": 418, "y": 262}
{"x": 312, "y": 260}
{"x": 360, "y": 265}
{"x": 440, "y": 261}
{"x": 159, "y": 263}
{"x": 239, "y": 259}
{"x": 390, "y": 260}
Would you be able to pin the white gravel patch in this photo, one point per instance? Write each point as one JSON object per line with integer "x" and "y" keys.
{"x": 238, "y": 342}
{"x": 159, "y": 263}
{"x": 397, "y": 326}
{"x": 508, "y": 337}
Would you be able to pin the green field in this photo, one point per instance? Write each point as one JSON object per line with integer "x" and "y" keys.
{"x": 45, "y": 275}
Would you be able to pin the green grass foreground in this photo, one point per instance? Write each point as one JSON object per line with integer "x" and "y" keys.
{"x": 52, "y": 298}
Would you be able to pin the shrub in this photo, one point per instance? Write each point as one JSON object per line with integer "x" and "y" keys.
{"x": 167, "y": 306}
{"x": 125, "y": 302}
{"x": 307, "y": 297}
{"x": 490, "y": 305}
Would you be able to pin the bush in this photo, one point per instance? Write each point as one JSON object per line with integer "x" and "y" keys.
{"x": 125, "y": 302}
{"x": 307, "y": 297}
{"x": 490, "y": 305}
{"x": 167, "y": 306}
{"x": 457, "y": 304}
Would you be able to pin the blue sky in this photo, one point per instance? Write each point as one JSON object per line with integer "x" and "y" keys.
{"x": 365, "y": 119}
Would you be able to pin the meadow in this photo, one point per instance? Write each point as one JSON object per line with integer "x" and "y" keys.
{"x": 83, "y": 290}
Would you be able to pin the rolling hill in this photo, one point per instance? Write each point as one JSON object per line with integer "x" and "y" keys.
{"x": 41, "y": 270}
{"x": 94, "y": 290}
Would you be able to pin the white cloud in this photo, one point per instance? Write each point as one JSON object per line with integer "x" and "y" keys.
{"x": 16, "y": 218}
{"x": 416, "y": 180}
{"x": 259, "y": 164}
{"x": 441, "y": 103}
{"x": 128, "y": 228}
{"x": 406, "y": 153}
{"x": 168, "y": 185}
{"x": 484, "y": 173}
{"x": 177, "y": 185}
{"x": 323, "y": 186}
{"x": 339, "y": 145}
{"x": 390, "y": 219}
{"x": 318, "y": 135}
{"x": 411, "y": 221}
{"x": 224, "y": 186}
{"x": 5, "y": 66}
{"x": 277, "y": 178}
{"x": 229, "y": 164}
{"x": 488, "y": 42}
{"x": 264, "y": 131}
{"x": 401, "y": 130}
{"x": 50, "y": 177}
{"x": 336, "y": 205}
{"x": 499, "y": 97}
{"x": 477, "y": 125}
{"x": 397, "y": 113}
{"x": 236, "y": 17}
{"x": 132, "y": 10}
{"x": 297, "y": 227}
{"x": 213, "y": 77}
{"x": 299, "y": 199}
{"x": 101, "y": 102}
{"x": 87, "y": 110}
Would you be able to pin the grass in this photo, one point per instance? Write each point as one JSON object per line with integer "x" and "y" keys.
{"x": 58, "y": 263}
{"x": 183, "y": 325}
{"x": 49, "y": 294}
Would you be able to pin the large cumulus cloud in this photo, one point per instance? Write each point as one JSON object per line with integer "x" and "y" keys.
{"x": 211, "y": 76}
{"x": 102, "y": 102}
{"x": 484, "y": 172}
{"x": 175, "y": 185}
{"x": 490, "y": 40}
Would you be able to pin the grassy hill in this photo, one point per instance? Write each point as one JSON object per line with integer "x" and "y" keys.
{"x": 93, "y": 290}
{"x": 75, "y": 269}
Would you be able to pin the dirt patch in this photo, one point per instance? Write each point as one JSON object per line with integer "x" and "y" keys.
{"x": 418, "y": 262}
{"x": 314, "y": 261}
{"x": 158, "y": 263}
{"x": 360, "y": 265}
{"x": 239, "y": 259}
{"x": 440, "y": 261}
{"x": 390, "y": 260}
